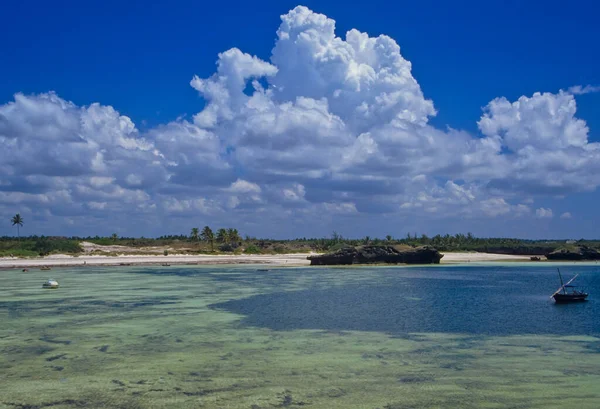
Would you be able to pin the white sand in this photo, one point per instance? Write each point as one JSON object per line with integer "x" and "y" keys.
{"x": 65, "y": 260}
{"x": 174, "y": 259}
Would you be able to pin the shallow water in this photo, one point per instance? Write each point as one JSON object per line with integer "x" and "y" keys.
{"x": 232, "y": 337}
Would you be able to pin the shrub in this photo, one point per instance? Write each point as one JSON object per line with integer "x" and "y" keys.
{"x": 226, "y": 247}
{"x": 252, "y": 249}
{"x": 44, "y": 246}
{"x": 279, "y": 249}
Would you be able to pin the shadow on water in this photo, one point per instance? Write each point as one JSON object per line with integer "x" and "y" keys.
{"x": 503, "y": 302}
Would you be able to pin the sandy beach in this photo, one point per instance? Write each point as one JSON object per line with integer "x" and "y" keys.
{"x": 298, "y": 259}
{"x": 60, "y": 260}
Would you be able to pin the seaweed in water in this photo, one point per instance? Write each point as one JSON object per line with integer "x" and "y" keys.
{"x": 55, "y": 357}
{"x": 51, "y": 340}
{"x": 415, "y": 379}
{"x": 287, "y": 400}
{"x": 72, "y": 402}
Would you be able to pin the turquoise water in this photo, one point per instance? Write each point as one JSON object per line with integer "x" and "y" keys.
{"x": 231, "y": 337}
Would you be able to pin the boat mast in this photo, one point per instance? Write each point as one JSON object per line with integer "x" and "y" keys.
{"x": 562, "y": 286}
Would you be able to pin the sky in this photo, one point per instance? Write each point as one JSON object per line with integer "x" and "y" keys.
{"x": 296, "y": 120}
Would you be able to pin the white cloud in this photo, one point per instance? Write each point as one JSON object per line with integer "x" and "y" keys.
{"x": 579, "y": 90}
{"x": 294, "y": 193}
{"x": 191, "y": 206}
{"x": 548, "y": 147}
{"x": 566, "y": 215}
{"x": 342, "y": 208}
{"x": 544, "y": 122}
{"x": 365, "y": 79}
{"x": 243, "y": 186}
{"x": 543, "y": 213}
{"x": 333, "y": 125}
{"x": 97, "y": 205}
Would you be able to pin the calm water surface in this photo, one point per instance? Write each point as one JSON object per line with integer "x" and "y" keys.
{"x": 233, "y": 337}
{"x": 471, "y": 300}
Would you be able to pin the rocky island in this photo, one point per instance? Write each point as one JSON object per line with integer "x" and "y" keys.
{"x": 378, "y": 255}
{"x": 574, "y": 253}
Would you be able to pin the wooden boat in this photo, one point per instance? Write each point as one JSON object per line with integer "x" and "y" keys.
{"x": 50, "y": 284}
{"x": 568, "y": 293}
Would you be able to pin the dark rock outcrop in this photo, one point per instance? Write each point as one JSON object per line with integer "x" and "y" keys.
{"x": 378, "y": 255}
{"x": 574, "y": 253}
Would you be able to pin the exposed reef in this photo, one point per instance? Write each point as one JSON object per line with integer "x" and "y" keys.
{"x": 574, "y": 253}
{"x": 378, "y": 255}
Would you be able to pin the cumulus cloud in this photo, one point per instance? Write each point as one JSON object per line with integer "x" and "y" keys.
{"x": 330, "y": 125}
{"x": 242, "y": 186}
{"x": 547, "y": 147}
{"x": 543, "y": 213}
{"x": 566, "y": 215}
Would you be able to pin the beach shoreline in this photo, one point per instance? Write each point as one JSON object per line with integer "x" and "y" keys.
{"x": 61, "y": 260}
{"x": 294, "y": 259}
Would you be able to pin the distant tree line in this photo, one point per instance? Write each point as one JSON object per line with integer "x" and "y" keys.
{"x": 230, "y": 240}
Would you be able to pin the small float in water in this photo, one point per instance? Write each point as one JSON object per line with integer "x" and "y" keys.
{"x": 51, "y": 284}
{"x": 45, "y": 268}
{"x": 567, "y": 292}
{"x": 166, "y": 265}
{"x": 25, "y": 270}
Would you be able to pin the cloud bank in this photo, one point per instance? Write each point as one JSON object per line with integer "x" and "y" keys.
{"x": 329, "y": 130}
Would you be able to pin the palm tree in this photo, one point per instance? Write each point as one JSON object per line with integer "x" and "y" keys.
{"x": 114, "y": 237}
{"x": 389, "y": 238}
{"x": 208, "y": 236}
{"x": 234, "y": 237}
{"x": 17, "y": 220}
{"x": 222, "y": 236}
{"x": 194, "y": 235}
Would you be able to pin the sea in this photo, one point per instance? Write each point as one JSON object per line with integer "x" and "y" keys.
{"x": 449, "y": 336}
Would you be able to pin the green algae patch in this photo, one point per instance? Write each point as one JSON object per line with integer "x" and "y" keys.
{"x": 145, "y": 338}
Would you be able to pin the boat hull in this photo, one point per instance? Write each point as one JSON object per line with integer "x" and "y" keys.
{"x": 567, "y": 298}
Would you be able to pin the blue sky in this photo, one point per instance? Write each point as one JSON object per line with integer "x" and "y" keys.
{"x": 138, "y": 59}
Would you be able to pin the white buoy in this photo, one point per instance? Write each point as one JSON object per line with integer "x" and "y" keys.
{"x": 52, "y": 284}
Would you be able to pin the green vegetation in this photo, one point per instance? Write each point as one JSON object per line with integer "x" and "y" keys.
{"x": 252, "y": 249}
{"x": 209, "y": 237}
{"x": 38, "y": 246}
{"x": 195, "y": 234}
{"x": 17, "y": 220}
{"x": 228, "y": 240}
